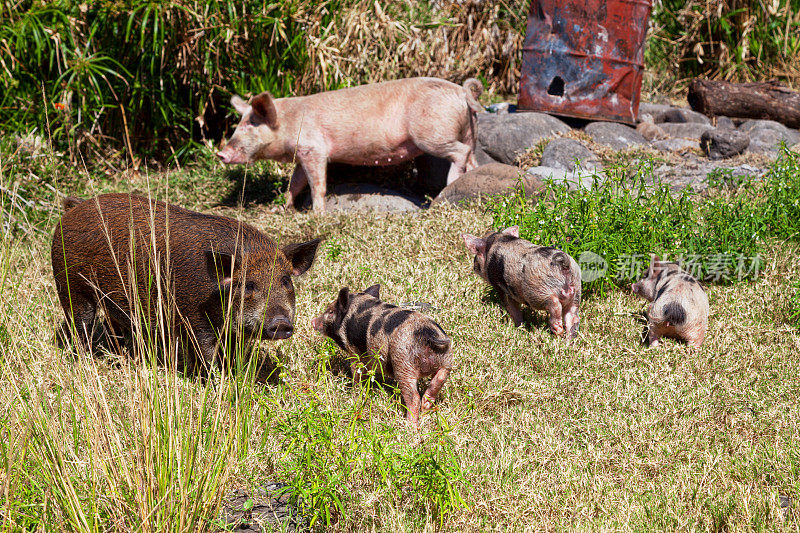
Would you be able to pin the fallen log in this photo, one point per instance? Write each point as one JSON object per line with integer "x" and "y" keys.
{"x": 762, "y": 100}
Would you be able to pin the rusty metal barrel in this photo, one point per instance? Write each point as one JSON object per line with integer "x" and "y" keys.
{"x": 584, "y": 58}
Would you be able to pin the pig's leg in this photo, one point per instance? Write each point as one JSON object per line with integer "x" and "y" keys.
{"x": 296, "y": 185}
{"x": 316, "y": 167}
{"x": 572, "y": 321}
{"x": 556, "y": 318}
{"x": 80, "y": 313}
{"x": 653, "y": 336}
{"x": 408, "y": 388}
{"x": 471, "y": 161}
{"x": 429, "y": 398}
{"x": 513, "y": 309}
{"x": 459, "y": 156}
{"x": 206, "y": 345}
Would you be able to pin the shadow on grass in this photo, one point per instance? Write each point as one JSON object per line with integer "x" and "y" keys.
{"x": 531, "y": 318}
{"x": 254, "y": 185}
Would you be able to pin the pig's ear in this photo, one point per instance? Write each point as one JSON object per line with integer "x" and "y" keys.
{"x": 655, "y": 266}
{"x": 220, "y": 266}
{"x": 301, "y": 255}
{"x": 513, "y": 231}
{"x": 264, "y": 107}
{"x": 373, "y": 291}
{"x": 239, "y": 105}
{"x": 476, "y": 245}
{"x": 343, "y": 301}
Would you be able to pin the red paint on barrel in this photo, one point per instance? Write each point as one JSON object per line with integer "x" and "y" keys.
{"x": 584, "y": 58}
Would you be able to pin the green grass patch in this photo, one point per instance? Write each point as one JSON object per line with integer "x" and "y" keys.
{"x": 616, "y": 224}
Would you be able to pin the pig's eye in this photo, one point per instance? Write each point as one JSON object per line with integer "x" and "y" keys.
{"x": 250, "y": 286}
{"x": 286, "y": 281}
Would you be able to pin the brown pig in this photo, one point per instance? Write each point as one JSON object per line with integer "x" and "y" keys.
{"x": 133, "y": 256}
{"x": 379, "y": 124}
{"x": 397, "y": 343}
{"x": 542, "y": 277}
{"x": 679, "y": 307}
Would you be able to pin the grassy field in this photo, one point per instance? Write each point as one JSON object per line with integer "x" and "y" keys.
{"x": 529, "y": 434}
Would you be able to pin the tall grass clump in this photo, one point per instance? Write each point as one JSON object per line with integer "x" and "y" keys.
{"x": 740, "y": 40}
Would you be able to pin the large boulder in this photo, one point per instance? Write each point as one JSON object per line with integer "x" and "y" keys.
{"x": 724, "y": 143}
{"x": 680, "y": 115}
{"x": 676, "y": 145}
{"x": 766, "y": 136}
{"x": 569, "y": 154}
{"x": 648, "y": 112}
{"x": 487, "y": 180}
{"x": 505, "y": 136}
{"x": 617, "y": 136}
{"x": 685, "y": 130}
{"x": 350, "y": 197}
{"x": 650, "y": 131}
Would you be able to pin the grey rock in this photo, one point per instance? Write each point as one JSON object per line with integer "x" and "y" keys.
{"x": 573, "y": 178}
{"x": 725, "y": 123}
{"x": 654, "y": 110}
{"x": 681, "y": 115}
{"x": 481, "y": 157}
{"x": 685, "y": 130}
{"x": 486, "y": 180}
{"x": 505, "y": 136}
{"x": 569, "y": 154}
{"x": 724, "y": 143}
{"x": 348, "y": 197}
{"x": 651, "y": 132}
{"x": 767, "y": 135}
{"x": 676, "y": 145}
{"x": 617, "y": 136}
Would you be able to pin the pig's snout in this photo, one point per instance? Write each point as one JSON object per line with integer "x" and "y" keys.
{"x": 230, "y": 155}
{"x": 226, "y": 156}
{"x": 316, "y": 323}
{"x": 279, "y": 327}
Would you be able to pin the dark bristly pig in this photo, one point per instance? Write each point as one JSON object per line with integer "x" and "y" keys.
{"x": 542, "y": 277}
{"x": 379, "y": 124}
{"x": 395, "y": 343}
{"x": 194, "y": 272}
{"x": 679, "y": 305}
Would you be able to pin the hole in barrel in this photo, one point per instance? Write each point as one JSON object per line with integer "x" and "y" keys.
{"x": 556, "y": 87}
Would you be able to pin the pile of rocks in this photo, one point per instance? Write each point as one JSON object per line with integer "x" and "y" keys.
{"x": 686, "y": 143}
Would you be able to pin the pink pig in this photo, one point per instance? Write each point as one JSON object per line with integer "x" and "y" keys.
{"x": 379, "y": 124}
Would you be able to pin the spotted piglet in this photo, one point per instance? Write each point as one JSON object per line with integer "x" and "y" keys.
{"x": 542, "y": 277}
{"x": 397, "y": 343}
{"x": 679, "y": 307}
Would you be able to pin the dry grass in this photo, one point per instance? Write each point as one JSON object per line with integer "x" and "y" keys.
{"x": 603, "y": 435}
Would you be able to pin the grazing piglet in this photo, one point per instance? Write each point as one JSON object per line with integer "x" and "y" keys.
{"x": 398, "y": 343}
{"x": 379, "y": 124}
{"x": 195, "y": 272}
{"x": 679, "y": 307}
{"x": 543, "y": 277}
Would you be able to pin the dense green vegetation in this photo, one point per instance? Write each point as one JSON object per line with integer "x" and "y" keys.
{"x": 718, "y": 236}
{"x": 131, "y": 81}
